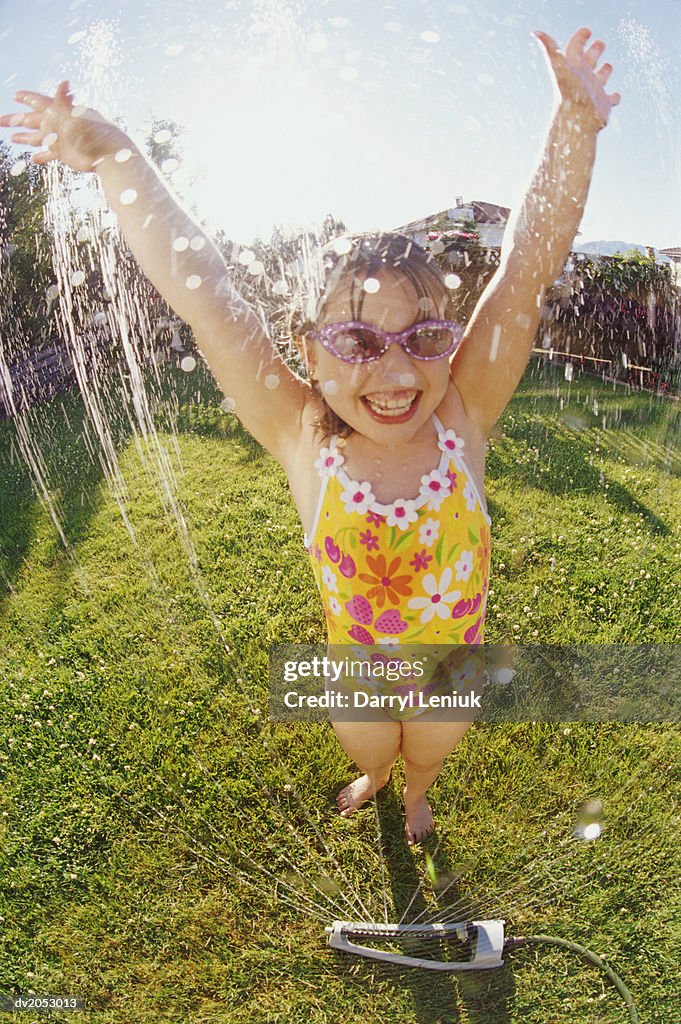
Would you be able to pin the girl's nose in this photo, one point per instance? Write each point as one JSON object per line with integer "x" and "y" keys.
{"x": 394, "y": 358}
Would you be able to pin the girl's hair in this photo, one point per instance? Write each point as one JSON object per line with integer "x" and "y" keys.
{"x": 357, "y": 257}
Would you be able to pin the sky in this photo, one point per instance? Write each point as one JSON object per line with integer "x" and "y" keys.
{"x": 378, "y": 111}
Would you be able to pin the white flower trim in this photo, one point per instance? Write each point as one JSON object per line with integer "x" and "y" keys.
{"x": 357, "y": 497}
{"x": 328, "y": 462}
{"x": 450, "y": 442}
{"x": 435, "y": 494}
{"x": 401, "y": 513}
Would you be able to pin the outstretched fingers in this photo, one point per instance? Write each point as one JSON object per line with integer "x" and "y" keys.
{"x": 575, "y": 47}
{"x": 547, "y": 41}
{"x": 594, "y": 53}
{"x": 35, "y": 100}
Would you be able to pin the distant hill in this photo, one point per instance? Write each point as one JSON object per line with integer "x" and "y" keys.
{"x": 605, "y": 248}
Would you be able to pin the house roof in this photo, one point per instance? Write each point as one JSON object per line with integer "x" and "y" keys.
{"x": 483, "y": 213}
{"x": 489, "y": 213}
{"x": 674, "y": 254}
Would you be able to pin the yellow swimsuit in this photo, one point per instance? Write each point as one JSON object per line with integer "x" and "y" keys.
{"x": 414, "y": 571}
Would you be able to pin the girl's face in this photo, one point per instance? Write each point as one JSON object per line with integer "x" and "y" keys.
{"x": 390, "y": 399}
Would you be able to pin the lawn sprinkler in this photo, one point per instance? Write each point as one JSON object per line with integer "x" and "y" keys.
{"x": 475, "y": 945}
{"x": 452, "y": 946}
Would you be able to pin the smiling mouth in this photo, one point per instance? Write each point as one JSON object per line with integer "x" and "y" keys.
{"x": 392, "y": 406}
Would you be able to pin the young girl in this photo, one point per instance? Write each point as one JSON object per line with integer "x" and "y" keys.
{"x": 388, "y": 436}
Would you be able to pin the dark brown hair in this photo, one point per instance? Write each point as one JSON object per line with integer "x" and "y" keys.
{"x": 358, "y": 257}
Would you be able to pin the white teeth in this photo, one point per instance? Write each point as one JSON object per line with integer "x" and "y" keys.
{"x": 391, "y": 406}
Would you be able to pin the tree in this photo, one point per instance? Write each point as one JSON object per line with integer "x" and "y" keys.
{"x": 621, "y": 308}
{"x": 25, "y": 249}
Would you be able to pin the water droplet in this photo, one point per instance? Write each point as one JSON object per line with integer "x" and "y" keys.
{"x": 393, "y": 26}
{"x": 180, "y": 243}
{"x": 437, "y": 247}
{"x": 484, "y": 79}
{"x": 246, "y": 256}
{"x": 168, "y": 166}
{"x": 82, "y": 235}
{"x": 430, "y": 37}
{"x": 75, "y": 38}
{"x": 316, "y": 42}
{"x": 588, "y": 832}
{"x": 162, "y": 136}
{"x": 197, "y": 243}
{"x": 52, "y": 293}
{"x": 371, "y": 285}
{"x": 50, "y": 139}
{"x": 280, "y": 288}
{"x": 128, "y": 196}
{"x": 457, "y": 9}
{"x": 523, "y": 320}
{"x": 349, "y": 74}
{"x": 330, "y": 387}
{"x": 255, "y": 267}
{"x": 188, "y": 364}
{"x": 453, "y": 281}
{"x": 341, "y": 246}
{"x": 193, "y": 281}
{"x": 425, "y": 304}
{"x": 122, "y": 155}
{"x": 407, "y": 380}
{"x": 18, "y": 167}
{"x": 173, "y": 49}
{"x": 77, "y": 278}
{"x": 228, "y": 405}
{"x": 494, "y": 347}
{"x": 568, "y": 371}
{"x": 272, "y": 381}
{"x": 78, "y": 110}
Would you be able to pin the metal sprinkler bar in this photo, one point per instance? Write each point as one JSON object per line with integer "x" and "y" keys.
{"x": 483, "y": 942}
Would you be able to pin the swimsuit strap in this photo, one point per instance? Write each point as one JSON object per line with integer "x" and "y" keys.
{"x": 439, "y": 426}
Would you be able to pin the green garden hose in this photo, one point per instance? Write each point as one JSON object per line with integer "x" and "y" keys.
{"x": 588, "y": 955}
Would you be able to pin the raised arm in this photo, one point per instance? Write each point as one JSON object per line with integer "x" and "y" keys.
{"x": 180, "y": 260}
{"x": 499, "y": 337}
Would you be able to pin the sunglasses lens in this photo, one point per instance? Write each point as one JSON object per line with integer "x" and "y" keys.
{"x": 430, "y": 342}
{"x": 357, "y": 344}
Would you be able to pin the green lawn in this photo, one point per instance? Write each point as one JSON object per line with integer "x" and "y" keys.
{"x": 169, "y": 854}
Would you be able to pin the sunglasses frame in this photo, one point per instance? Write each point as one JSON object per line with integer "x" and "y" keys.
{"x": 325, "y": 336}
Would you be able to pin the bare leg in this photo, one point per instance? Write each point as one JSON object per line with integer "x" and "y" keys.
{"x": 374, "y": 746}
{"x": 425, "y": 744}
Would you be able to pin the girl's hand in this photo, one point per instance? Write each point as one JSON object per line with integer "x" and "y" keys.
{"x": 77, "y": 136}
{"x": 576, "y": 74}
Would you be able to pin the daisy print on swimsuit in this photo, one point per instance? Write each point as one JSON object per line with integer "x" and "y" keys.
{"x": 415, "y": 569}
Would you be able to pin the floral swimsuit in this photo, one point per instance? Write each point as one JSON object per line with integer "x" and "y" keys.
{"x": 415, "y": 571}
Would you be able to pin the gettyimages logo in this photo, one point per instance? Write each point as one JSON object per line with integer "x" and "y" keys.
{"x": 492, "y": 683}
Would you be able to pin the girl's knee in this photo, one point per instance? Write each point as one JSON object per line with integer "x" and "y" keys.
{"x": 421, "y": 763}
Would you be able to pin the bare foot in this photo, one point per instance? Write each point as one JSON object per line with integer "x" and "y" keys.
{"x": 357, "y": 793}
{"x": 419, "y": 819}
